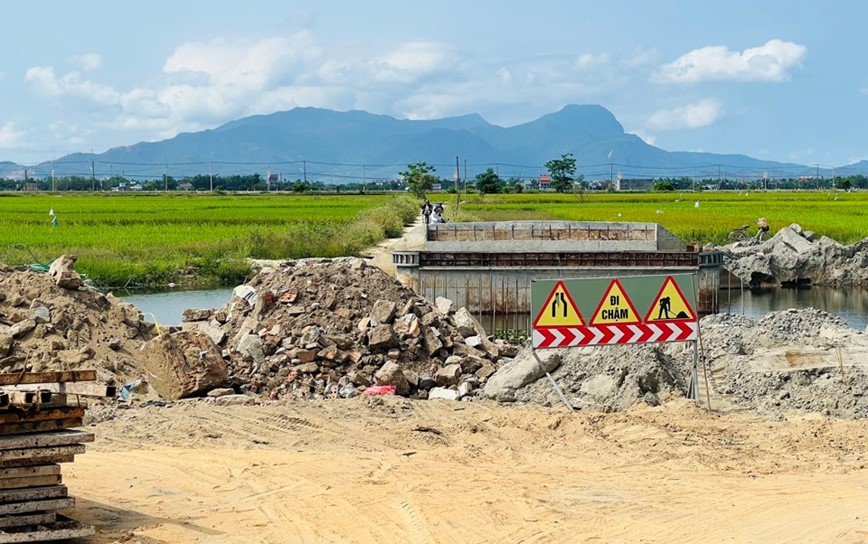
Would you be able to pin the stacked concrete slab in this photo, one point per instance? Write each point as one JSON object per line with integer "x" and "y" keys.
{"x": 38, "y": 416}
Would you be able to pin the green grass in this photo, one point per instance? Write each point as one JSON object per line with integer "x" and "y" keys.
{"x": 842, "y": 219}
{"x": 195, "y": 240}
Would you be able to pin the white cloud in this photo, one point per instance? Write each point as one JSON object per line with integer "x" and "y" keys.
{"x": 43, "y": 79}
{"x": 772, "y": 61}
{"x": 587, "y": 61}
{"x": 11, "y": 137}
{"x": 87, "y": 62}
{"x": 698, "y": 114}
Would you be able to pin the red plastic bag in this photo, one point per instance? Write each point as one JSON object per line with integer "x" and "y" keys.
{"x": 381, "y": 390}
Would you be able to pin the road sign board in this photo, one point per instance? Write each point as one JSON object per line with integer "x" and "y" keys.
{"x": 670, "y": 305}
{"x": 559, "y": 310}
{"x": 615, "y": 307}
{"x": 612, "y": 303}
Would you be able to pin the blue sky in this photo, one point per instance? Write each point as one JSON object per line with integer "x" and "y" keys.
{"x": 778, "y": 80}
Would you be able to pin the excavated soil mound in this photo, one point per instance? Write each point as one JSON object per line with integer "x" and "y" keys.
{"x": 47, "y": 327}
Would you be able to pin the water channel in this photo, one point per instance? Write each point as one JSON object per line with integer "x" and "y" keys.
{"x": 850, "y": 304}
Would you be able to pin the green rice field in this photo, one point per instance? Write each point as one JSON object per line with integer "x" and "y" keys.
{"x": 149, "y": 240}
{"x": 841, "y": 216}
{"x": 195, "y": 240}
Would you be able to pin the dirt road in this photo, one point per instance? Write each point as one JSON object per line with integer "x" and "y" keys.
{"x": 392, "y": 470}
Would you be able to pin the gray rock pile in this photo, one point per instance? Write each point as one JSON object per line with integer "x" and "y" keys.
{"x": 795, "y": 360}
{"x": 793, "y": 256}
{"x": 338, "y": 327}
{"x": 805, "y": 361}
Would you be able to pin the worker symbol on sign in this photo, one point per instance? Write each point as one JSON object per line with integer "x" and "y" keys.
{"x": 559, "y": 310}
{"x": 670, "y": 304}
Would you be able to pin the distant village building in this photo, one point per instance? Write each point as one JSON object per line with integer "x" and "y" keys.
{"x": 128, "y": 186}
{"x": 30, "y": 186}
{"x": 545, "y": 182}
{"x": 186, "y": 186}
{"x": 627, "y": 184}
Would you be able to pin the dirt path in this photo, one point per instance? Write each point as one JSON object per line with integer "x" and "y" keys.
{"x": 392, "y": 470}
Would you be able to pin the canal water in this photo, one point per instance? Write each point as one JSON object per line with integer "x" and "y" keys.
{"x": 850, "y": 304}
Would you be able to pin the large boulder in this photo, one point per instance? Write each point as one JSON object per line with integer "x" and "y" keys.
{"x": 183, "y": 364}
{"x": 519, "y": 372}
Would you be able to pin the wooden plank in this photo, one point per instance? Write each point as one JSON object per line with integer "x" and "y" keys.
{"x": 14, "y": 415}
{"x": 32, "y": 493}
{"x": 48, "y": 377}
{"x": 40, "y": 426}
{"x": 27, "y": 472}
{"x": 41, "y": 440}
{"x": 39, "y": 453}
{"x": 30, "y": 481}
{"x": 36, "y": 506}
{"x": 23, "y": 520}
{"x": 62, "y": 529}
{"x": 17, "y": 463}
{"x": 74, "y": 388}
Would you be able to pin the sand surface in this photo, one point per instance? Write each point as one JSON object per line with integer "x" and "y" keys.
{"x": 393, "y": 470}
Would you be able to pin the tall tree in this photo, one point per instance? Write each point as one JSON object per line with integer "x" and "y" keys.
{"x": 488, "y": 182}
{"x": 419, "y": 178}
{"x": 562, "y": 171}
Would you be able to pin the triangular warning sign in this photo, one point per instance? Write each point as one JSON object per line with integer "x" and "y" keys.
{"x": 559, "y": 310}
{"x": 615, "y": 307}
{"x": 670, "y": 304}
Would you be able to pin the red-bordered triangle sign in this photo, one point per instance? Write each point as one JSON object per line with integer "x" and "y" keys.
{"x": 670, "y": 305}
{"x": 559, "y": 310}
{"x": 615, "y": 307}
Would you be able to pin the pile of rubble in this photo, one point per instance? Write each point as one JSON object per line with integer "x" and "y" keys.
{"x": 793, "y": 257}
{"x": 339, "y": 327}
{"x": 50, "y": 322}
{"x": 795, "y": 360}
{"x": 790, "y": 361}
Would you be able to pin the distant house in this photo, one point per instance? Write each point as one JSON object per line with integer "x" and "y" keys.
{"x": 186, "y": 186}
{"x": 128, "y": 186}
{"x": 30, "y": 186}
{"x": 436, "y": 187}
{"x": 545, "y": 182}
{"x": 636, "y": 184}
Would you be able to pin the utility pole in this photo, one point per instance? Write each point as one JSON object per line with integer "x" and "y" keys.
{"x": 92, "y": 178}
{"x": 457, "y": 186}
{"x": 166, "y": 178}
{"x": 304, "y": 168}
{"x": 210, "y": 175}
{"x": 52, "y": 175}
{"x": 818, "y": 176}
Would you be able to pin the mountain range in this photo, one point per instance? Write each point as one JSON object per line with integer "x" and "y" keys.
{"x": 336, "y": 147}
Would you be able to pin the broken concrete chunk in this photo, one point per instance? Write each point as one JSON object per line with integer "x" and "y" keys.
{"x": 250, "y": 345}
{"x": 465, "y": 323}
{"x": 432, "y": 341}
{"x": 382, "y": 338}
{"x": 391, "y": 374}
{"x": 41, "y": 314}
{"x": 192, "y": 314}
{"x": 183, "y": 364}
{"x": 443, "y": 305}
{"x": 62, "y": 271}
{"x": 442, "y": 393}
{"x": 383, "y": 311}
{"x": 448, "y": 375}
{"x": 22, "y": 328}
{"x": 464, "y": 389}
{"x": 485, "y": 371}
